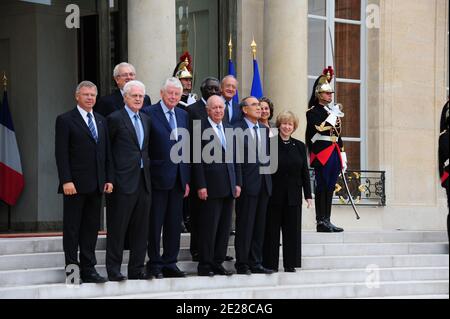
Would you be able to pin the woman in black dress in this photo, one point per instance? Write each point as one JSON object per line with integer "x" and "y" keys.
{"x": 285, "y": 205}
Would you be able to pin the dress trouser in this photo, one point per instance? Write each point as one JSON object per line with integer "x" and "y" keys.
{"x": 128, "y": 213}
{"x": 81, "y": 223}
{"x": 250, "y": 228}
{"x": 214, "y": 231}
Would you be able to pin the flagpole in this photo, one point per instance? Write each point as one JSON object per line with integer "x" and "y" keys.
{"x": 5, "y": 84}
{"x": 230, "y": 48}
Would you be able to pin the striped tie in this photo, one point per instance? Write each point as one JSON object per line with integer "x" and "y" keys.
{"x": 92, "y": 127}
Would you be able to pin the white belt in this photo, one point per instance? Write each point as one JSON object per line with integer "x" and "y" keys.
{"x": 319, "y": 137}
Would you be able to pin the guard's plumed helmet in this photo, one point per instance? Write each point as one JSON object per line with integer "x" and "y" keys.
{"x": 323, "y": 84}
{"x": 184, "y": 68}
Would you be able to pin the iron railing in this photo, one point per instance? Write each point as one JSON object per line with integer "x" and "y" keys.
{"x": 367, "y": 188}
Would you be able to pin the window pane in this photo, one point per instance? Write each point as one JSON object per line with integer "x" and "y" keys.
{"x": 348, "y": 94}
{"x": 182, "y": 20}
{"x": 353, "y": 151}
{"x": 348, "y": 47}
{"x": 316, "y": 46}
{"x": 317, "y": 7}
{"x": 348, "y": 9}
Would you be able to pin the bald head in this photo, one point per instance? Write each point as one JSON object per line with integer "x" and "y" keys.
{"x": 215, "y": 108}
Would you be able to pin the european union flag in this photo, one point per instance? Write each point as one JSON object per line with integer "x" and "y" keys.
{"x": 232, "y": 71}
{"x": 257, "y": 90}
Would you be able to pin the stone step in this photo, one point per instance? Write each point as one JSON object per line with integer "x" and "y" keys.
{"x": 56, "y": 259}
{"x": 201, "y": 286}
{"x": 324, "y": 291}
{"x": 16, "y": 246}
{"x": 56, "y": 274}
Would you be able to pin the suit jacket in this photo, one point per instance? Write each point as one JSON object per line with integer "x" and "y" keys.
{"x": 79, "y": 158}
{"x": 127, "y": 153}
{"x": 164, "y": 171}
{"x": 320, "y": 151}
{"x": 220, "y": 178}
{"x": 109, "y": 103}
{"x": 292, "y": 175}
{"x": 197, "y": 111}
{"x": 237, "y": 115}
{"x": 252, "y": 179}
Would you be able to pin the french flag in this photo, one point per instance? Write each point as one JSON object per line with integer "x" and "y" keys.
{"x": 11, "y": 176}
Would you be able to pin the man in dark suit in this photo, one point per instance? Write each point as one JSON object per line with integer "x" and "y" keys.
{"x": 123, "y": 73}
{"x": 129, "y": 205}
{"x": 251, "y": 206}
{"x": 228, "y": 88}
{"x": 170, "y": 179}
{"x": 197, "y": 111}
{"x": 217, "y": 182}
{"x": 85, "y": 171}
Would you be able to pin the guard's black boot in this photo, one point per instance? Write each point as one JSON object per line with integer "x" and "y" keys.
{"x": 322, "y": 225}
{"x": 329, "y": 201}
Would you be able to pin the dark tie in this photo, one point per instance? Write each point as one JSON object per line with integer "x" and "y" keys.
{"x": 172, "y": 123}
{"x": 256, "y": 142}
{"x": 92, "y": 127}
{"x": 222, "y": 137}
{"x": 229, "y": 110}
{"x": 137, "y": 129}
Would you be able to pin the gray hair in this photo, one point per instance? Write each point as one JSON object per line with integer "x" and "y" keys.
{"x": 127, "y": 88}
{"x": 172, "y": 82}
{"x": 123, "y": 65}
{"x": 229, "y": 76}
{"x": 86, "y": 84}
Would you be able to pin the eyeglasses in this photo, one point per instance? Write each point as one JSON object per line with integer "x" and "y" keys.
{"x": 124, "y": 75}
{"x": 137, "y": 96}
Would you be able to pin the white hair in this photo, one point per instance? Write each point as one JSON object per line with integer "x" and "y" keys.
{"x": 127, "y": 88}
{"x": 214, "y": 97}
{"x": 172, "y": 82}
{"x": 229, "y": 76}
{"x": 87, "y": 84}
{"x": 122, "y": 65}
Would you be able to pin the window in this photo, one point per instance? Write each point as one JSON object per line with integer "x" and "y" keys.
{"x": 339, "y": 22}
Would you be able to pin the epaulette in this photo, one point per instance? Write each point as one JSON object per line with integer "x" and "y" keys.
{"x": 310, "y": 108}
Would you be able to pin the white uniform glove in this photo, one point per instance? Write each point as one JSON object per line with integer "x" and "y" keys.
{"x": 336, "y": 110}
{"x": 344, "y": 161}
{"x": 331, "y": 119}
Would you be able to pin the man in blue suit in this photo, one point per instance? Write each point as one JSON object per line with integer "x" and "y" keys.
{"x": 170, "y": 180}
{"x": 251, "y": 206}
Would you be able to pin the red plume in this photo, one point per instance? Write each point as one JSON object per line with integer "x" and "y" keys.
{"x": 188, "y": 56}
{"x": 329, "y": 70}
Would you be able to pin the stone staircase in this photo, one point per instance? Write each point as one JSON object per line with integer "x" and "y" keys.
{"x": 380, "y": 264}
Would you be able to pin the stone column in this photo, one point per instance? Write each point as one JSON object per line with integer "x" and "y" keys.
{"x": 152, "y": 42}
{"x": 285, "y": 57}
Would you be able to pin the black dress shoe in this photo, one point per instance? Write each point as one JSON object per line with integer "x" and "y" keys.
{"x": 229, "y": 258}
{"x": 173, "y": 273}
{"x": 94, "y": 278}
{"x": 117, "y": 277}
{"x": 205, "y": 273}
{"x": 155, "y": 273}
{"x": 140, "y": 276}
{"x": 289, "y": 269}
{"x": 220, "y": 270}
{"x": 261, "y": 270}
{"x": 243, "y": 271}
